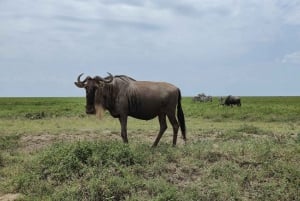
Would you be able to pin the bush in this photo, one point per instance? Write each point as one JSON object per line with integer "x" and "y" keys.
{"x": 9, "y": 142}
{"x": 106, "y": 154}
{"x": 62, "y": 164}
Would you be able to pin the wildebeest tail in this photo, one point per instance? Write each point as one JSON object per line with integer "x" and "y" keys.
{"x": 180, "y": 116}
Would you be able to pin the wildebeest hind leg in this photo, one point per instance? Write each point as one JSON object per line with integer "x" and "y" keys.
{"x": 175, "y": 126}
{"x": 163, "y": 128}
{"x": 123, "y": 122}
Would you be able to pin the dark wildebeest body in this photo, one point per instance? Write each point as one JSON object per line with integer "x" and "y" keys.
{"x": 123, "y": 96}
{"x": 231, "y": 100}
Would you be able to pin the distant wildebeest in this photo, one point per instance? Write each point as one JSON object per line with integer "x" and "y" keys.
{"x": 230, "y": 101}
{"x": 202, "y": 98}
{"x": 208, "y": 99}
{"x": 196, "y": 98}
{"x": 123, "y": 96}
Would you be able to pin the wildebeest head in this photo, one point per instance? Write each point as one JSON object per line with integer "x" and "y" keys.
{"x": 91, "y": 86}
{"x": 230, "y": 100}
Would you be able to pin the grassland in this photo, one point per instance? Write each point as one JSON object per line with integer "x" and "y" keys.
{"x": 51, "y": 150}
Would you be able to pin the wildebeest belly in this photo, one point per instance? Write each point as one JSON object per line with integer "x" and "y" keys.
{"x": 147, "y": 109}
{"x": 144, "y": 112}
{"x": 150, "y": 99}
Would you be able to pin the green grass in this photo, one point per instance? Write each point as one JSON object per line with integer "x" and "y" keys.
{"x": 281, "y": 109}
{"x": 38, "y": 108}
{"x": 269, "y": 109}
{"x": 51, "y": 150}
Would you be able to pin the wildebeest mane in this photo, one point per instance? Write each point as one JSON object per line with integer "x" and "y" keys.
{"x": 125, "y": 78}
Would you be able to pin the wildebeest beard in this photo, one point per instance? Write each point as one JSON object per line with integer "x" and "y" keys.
{"x": 99, "y": 110}
{"x": 98, "y": 105}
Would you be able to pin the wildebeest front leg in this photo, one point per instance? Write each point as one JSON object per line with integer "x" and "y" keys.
{"x": 123, "y": 122}
{"x": 163, "y": 128}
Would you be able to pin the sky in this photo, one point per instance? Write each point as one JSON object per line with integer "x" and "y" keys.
{"x": 216, "y": 47}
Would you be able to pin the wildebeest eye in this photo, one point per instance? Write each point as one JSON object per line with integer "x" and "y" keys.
{"x": 90, "y": 89}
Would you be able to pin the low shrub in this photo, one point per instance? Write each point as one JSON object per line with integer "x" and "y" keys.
{"x": 65, "y": 164}
{"x": 9, "y": 142}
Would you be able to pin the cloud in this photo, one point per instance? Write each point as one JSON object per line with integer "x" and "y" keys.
{"x": 197, "y": 29}
{"x": 290, "y": 11}
{"x": 148, "y": 39}
{"x": 293, "y": 58}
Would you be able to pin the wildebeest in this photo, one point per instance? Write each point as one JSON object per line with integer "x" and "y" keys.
{"x": 202, "y": 98}
{"x": 123, "y": 96}
{"x": 231, "y": 100}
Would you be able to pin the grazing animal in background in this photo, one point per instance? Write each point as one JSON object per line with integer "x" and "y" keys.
{"x": 230, "y": 101}
{"x": 202, "y": 98}
{"x": 123, "y": 96}
{"x": 208, "y": 99}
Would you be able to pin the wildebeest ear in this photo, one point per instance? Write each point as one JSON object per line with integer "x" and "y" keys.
{"x": 79, "y": 84}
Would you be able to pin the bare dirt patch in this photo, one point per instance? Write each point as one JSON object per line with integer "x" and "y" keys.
{"x": 10, "y": 197}
{"x": 32, "y": 143}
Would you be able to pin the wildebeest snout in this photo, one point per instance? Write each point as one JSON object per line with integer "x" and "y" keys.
{"x": 90, "y": 109}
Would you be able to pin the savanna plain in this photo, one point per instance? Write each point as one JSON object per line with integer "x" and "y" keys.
{"x": 51, "y": 150}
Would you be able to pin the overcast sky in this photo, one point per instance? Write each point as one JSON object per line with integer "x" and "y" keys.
{"x": 219, "y": 47}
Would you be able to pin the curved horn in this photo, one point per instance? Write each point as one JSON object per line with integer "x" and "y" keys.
{"x": 79, "y": 83}
{"x": 78, "y": 78}
{"x": 105, "y": 80}
{"x": 110, "y": 78}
